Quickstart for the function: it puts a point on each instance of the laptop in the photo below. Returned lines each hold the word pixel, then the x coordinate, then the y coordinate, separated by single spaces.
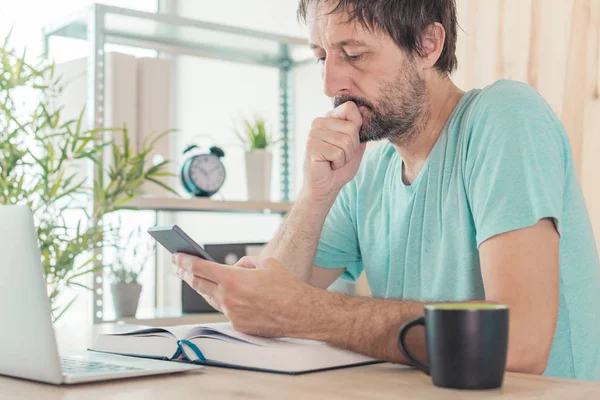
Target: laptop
pixel 28 347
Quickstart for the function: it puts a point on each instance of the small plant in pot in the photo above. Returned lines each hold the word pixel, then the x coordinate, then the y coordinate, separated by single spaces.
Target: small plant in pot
pixel 130 258
pixel 259 159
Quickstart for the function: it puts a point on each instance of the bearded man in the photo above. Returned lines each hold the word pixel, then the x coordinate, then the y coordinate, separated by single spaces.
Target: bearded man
pixel 474 196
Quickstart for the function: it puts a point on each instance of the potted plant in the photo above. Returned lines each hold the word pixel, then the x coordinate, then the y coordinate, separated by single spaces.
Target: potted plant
pixel 259 159
pixel 130 258
pixel 38 151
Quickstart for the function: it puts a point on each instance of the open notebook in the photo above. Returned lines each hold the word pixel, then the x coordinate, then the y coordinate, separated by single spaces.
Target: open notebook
pixel 220 345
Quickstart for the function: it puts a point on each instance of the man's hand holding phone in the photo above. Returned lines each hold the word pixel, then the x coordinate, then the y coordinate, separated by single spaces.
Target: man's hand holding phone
pixel 259 297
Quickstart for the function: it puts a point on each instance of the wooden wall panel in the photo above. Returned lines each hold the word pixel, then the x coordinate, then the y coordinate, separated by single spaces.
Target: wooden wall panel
pixel 574 102
pixel 590 167
pixel 554 38
pixel 513 52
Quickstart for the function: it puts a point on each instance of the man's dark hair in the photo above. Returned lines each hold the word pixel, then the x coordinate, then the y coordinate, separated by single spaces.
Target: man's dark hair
pixel 404 20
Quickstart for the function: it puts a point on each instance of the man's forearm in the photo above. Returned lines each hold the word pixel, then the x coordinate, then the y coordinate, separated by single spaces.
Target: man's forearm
pixel 370 326
pixel 295 244
pixel 364 325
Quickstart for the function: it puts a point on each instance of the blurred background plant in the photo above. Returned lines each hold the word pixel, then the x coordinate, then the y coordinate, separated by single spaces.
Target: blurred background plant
pixel 254 134
pixel 41 155
pixel 131 254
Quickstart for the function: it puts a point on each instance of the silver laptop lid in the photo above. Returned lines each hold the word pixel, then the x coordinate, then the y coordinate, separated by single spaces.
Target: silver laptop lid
pixel 28 346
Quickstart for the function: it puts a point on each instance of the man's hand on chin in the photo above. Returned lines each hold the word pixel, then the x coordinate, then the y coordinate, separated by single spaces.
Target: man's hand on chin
pixel 259 297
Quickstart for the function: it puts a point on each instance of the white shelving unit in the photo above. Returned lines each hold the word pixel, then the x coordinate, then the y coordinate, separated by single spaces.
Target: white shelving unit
pixel 207 205
pixel 101 24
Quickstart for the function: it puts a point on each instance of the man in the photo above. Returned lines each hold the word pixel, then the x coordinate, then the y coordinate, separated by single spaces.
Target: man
pixel 475 197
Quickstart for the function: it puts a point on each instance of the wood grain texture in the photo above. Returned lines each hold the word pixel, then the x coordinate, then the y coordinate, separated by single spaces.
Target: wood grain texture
pixel 500 51
pixel 472 25
pixel 460 75
pixel 533 64
pixel 591 127
pixel 516 31
pixel 555 36
pixel 595 25
pixel 575 82
pixel 381 381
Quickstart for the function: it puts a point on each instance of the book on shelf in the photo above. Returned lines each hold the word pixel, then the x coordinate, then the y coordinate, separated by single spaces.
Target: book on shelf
pixel 137 94
pixel 120 97
pixel 218 344
pixel 72 78
pixel 154 116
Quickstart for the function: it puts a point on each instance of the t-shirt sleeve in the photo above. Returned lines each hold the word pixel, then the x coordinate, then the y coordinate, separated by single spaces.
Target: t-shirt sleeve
pixel 516 159
pixel 338 245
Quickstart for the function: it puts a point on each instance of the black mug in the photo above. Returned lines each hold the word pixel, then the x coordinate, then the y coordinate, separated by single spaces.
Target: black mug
pixel 466 344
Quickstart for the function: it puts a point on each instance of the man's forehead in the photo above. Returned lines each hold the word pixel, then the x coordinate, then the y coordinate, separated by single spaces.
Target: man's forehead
pixel 335 29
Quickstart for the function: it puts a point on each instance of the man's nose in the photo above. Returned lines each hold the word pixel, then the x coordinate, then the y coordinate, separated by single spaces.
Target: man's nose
pixel 335 78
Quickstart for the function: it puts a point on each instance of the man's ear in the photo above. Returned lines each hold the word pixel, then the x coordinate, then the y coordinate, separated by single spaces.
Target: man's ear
pixel 432 44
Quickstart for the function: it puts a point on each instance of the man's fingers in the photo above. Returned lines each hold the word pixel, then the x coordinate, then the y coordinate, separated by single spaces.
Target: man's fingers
pixel 202 268
pixel 349 133
pixel 342 141
pixel 323 151
pixel 348 111
pixel 201 285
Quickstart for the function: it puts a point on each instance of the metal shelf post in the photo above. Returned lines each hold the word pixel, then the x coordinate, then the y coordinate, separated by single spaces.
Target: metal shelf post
pixel 285 110
pixel 95 117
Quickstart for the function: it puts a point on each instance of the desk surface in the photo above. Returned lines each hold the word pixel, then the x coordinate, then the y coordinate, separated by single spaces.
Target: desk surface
pixel 381 381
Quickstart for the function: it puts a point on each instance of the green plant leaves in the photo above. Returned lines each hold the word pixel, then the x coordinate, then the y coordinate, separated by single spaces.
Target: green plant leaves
pixel 41 155
pixel 255 135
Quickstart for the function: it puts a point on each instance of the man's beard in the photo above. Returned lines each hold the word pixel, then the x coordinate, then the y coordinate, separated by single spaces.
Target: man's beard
pixel 400 104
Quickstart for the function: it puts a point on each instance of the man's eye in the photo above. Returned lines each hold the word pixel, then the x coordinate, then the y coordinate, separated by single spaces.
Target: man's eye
pixel 350 58
pixel 320 60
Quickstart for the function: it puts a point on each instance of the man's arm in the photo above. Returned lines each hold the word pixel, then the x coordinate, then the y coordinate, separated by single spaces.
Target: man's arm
pixel 333 155
pixel 296 242
pixel 519 269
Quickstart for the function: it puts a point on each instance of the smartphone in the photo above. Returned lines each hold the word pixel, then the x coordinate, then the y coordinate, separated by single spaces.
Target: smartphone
pixel 175 240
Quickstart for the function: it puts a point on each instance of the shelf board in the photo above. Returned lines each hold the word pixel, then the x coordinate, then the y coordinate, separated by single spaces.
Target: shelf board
pixel 178 35
pixel 207 205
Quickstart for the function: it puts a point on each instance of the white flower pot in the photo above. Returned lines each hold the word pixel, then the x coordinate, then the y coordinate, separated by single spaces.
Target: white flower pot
pixel 258 174
pixel 126 297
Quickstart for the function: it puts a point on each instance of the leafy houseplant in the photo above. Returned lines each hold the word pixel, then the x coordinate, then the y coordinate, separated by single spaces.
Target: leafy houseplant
pixel 38 152
pixel 131 255
pixel 259 159
pixel 255 135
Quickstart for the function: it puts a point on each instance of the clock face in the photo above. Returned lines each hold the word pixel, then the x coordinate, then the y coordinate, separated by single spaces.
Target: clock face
pixel 207 172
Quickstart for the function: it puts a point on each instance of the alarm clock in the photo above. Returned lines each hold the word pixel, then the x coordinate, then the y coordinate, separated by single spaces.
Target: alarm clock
pixel 203 174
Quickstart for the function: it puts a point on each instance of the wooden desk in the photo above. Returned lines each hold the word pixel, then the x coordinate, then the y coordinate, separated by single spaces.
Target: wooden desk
pixel 382 381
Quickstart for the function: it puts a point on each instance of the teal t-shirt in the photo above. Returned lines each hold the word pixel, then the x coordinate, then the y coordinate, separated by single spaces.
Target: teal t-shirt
pixel 502 162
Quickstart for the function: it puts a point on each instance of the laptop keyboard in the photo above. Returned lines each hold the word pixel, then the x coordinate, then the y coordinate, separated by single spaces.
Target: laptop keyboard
pixel 71 366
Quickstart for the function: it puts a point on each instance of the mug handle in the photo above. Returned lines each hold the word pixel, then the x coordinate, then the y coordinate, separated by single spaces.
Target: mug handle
pixel 401 343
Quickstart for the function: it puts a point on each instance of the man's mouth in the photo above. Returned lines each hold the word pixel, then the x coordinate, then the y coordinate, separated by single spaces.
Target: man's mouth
pixel 364 111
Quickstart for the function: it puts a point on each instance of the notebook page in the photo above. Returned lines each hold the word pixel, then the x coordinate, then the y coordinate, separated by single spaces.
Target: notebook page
pixel 224 331
pixel 177 332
